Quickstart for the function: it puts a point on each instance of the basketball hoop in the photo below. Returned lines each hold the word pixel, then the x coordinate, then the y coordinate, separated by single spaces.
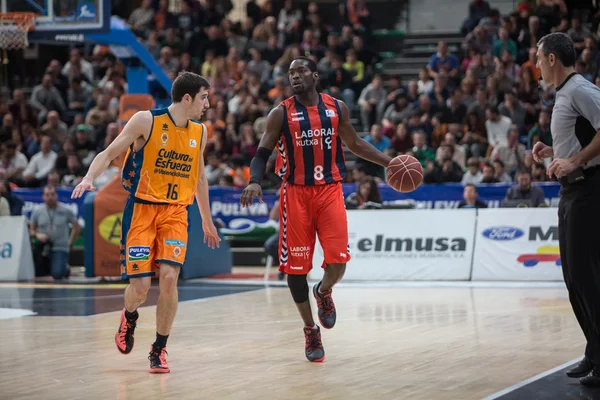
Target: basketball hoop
pixel 14 27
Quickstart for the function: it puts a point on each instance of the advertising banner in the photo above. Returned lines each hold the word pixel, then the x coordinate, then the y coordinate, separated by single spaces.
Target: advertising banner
pixel 407 245
pixel 16 259
pixel 517 244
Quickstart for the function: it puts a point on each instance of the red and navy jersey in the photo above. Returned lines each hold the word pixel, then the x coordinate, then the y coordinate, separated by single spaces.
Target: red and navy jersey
pixel 310 149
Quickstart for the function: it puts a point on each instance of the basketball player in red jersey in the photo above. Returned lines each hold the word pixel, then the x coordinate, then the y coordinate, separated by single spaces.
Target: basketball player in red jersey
pixel 308 129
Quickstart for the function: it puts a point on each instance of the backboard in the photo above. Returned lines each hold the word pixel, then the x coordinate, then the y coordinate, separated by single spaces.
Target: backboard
pixel 57 17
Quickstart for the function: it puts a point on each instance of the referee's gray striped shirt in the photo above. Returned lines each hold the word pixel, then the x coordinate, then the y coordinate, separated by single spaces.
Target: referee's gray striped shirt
pixel 575 117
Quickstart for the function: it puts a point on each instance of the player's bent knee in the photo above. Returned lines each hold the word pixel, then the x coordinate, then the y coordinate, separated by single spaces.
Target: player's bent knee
pixel 140 286
pixel 298 287
pixel 169 274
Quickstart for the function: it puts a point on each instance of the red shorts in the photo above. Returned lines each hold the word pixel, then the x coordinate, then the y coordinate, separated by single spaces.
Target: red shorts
pixel 304 213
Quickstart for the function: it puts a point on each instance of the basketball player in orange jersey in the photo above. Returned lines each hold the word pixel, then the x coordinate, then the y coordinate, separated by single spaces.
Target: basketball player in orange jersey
pixel 163 172
pixel 308 129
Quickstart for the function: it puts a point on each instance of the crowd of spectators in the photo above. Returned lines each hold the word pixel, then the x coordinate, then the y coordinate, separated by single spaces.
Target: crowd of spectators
pixel 472 116
pixel 51 136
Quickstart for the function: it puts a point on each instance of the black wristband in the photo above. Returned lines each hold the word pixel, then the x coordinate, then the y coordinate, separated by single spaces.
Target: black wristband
pixel 259 164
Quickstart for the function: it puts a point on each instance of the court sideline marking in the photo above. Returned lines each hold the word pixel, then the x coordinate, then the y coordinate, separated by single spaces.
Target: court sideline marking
pixel 530 380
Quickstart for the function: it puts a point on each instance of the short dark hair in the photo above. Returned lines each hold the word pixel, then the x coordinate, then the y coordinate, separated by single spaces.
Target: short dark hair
pixel 561 45
pixel 309 63
pixel 471 185
pixel 11 145
pixel 524 171
pixel 500 162
pixel 187 83
pixel 493 109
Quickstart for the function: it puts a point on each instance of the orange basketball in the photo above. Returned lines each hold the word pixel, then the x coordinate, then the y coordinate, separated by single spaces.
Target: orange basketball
pixel 404 173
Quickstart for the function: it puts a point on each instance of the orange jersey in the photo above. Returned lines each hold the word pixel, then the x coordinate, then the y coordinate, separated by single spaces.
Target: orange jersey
pixel 165 169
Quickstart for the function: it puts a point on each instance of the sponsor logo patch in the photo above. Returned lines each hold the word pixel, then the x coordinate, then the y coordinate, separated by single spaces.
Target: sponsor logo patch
pixel 138 253
pixel 171 242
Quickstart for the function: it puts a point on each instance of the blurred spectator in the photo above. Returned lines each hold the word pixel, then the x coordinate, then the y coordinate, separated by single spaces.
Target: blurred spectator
pixel 458 153
pixel 401 141
pixel 366 196
pixel 578 32
pixel 50 226
pixel 443 60
pixel 78 65
pixel 504 42
pixel 46 97
pixel 55 128
pixel 141 18
pixel 74 173
pixel 538 173
pixel 531 64
pixel 491 24
pixel 339 82
pixel 512 108
pixel 40 164
pixel 21 109
pixel 15 204
pixel 13 161
pixel 372 102
pixel 478 9
pixel 525 191
pixel 470 199
pixel 420 150
pixel 239 171
pixel 8 125
pixel 488 174
pixel 445 171
pixel 500 172
pixel 540 132
pixel 511 153
pixel 497 126
pixel 78 94
pixel 473 175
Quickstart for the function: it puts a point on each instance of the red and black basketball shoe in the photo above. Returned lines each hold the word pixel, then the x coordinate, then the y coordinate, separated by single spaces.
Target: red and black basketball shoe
pixel 326 306
pixel 124 336
pixel 314 347
pixel 158 360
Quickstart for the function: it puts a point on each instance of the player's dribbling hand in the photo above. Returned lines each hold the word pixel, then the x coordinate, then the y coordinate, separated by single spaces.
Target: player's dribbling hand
pixel 211 236
pixel 249 193
pixel 541 151
pixel 84 186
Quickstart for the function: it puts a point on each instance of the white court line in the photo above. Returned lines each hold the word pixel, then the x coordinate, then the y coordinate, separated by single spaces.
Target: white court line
pixel 275 322
pixel 530 380
pixel 394 284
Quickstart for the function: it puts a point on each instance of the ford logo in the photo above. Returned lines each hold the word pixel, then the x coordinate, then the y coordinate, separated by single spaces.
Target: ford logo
pixel 503 233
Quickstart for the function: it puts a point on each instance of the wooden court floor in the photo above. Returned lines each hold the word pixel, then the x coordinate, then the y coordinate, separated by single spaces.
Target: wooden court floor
pixel 389 343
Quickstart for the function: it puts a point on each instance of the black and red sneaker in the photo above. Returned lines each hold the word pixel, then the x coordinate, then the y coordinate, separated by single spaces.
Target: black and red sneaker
pixel 124 336
pixel 326 306
pixel 158 360
pixel 314 347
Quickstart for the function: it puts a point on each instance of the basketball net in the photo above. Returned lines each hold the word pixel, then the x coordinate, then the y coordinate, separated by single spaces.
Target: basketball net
pixel 14 28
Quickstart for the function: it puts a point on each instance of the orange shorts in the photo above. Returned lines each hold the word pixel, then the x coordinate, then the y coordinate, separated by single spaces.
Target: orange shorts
pixel 152 234
pixel 304 213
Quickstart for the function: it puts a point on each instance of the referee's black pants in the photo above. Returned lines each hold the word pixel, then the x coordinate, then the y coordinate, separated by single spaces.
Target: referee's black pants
pixel 579 240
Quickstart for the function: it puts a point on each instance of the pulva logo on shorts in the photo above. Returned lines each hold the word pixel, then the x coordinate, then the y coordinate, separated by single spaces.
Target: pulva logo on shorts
pixel 503 233
pixel 138 253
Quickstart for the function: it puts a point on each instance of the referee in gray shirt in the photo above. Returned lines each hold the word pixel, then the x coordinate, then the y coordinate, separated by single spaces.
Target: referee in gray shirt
pixel 576 151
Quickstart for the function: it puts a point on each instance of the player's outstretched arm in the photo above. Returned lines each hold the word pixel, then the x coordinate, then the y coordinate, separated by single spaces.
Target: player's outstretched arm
pixel 259 162
pixel 211 236
pixel 138 126
pixel 355 143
